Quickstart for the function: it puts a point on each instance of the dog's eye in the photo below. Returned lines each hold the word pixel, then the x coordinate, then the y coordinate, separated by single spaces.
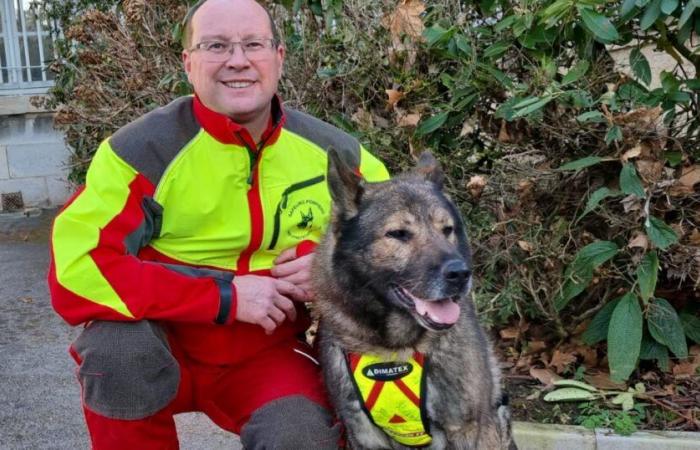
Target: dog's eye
pixel 400 234
pixel 447 231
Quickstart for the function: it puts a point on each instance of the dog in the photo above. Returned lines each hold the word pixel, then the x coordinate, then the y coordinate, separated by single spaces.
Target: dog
pixel 405 361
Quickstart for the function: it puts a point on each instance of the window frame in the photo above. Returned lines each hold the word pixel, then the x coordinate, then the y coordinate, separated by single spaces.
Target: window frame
pixel 12 83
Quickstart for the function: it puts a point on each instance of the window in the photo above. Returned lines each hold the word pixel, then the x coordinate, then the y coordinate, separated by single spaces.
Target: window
pixel 26 48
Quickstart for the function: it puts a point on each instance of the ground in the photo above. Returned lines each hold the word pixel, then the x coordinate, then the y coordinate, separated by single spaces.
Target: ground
pixel 39 394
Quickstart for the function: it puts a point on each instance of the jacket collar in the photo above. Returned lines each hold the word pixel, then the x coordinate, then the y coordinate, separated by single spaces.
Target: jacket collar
pixel 227 131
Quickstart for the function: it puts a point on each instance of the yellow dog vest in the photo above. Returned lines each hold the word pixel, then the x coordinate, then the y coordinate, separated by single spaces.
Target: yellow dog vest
pixel 393 394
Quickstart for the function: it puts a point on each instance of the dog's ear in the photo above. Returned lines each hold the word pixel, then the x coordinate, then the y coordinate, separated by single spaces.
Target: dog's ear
pixel 344 183
pixel 429 168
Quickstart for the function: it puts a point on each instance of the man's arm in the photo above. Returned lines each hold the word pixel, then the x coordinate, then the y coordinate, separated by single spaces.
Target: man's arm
pixel 95 273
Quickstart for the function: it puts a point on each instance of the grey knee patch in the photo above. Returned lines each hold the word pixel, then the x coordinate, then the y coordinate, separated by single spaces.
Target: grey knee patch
pixel 127 371
pixel 291 423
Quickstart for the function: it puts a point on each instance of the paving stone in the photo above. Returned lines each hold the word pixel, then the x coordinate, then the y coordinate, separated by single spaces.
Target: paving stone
pixel 533 436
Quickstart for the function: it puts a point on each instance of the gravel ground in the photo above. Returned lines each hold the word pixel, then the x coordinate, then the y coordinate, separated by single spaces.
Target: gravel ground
pixel 39 394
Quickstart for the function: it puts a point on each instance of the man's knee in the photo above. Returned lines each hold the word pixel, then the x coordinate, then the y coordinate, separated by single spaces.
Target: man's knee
pixel 126 369
pixel 291 423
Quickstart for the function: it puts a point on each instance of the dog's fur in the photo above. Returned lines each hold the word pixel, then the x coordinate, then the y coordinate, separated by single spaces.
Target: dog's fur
pixel 389 243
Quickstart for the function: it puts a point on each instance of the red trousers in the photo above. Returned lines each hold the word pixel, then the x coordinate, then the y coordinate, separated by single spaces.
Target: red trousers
pixel 228 394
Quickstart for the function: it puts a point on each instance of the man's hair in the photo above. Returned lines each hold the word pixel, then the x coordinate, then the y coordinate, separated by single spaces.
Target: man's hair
pixel 187 25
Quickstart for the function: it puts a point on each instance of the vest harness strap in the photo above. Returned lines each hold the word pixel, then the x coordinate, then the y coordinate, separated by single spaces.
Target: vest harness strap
pixel 393 395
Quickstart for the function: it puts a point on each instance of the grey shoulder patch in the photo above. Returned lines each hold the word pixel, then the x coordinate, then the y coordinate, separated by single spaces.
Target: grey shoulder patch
pixel 324 135
pixel 149 143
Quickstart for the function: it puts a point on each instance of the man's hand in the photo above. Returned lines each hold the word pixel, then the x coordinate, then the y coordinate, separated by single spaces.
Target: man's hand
pixel 295 270
pixel 265 301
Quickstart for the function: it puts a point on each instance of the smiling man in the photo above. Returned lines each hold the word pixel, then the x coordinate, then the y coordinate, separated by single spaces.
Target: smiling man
pixel 187 254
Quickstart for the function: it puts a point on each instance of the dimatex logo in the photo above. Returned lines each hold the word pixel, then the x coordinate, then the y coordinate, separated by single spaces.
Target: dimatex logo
pixel 387 371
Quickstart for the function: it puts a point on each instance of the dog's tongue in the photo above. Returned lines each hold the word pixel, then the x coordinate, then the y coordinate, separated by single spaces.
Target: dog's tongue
pixel 442 311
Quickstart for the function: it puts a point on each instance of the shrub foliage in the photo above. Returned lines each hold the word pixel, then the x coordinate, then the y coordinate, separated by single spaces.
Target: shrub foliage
pixel 575 168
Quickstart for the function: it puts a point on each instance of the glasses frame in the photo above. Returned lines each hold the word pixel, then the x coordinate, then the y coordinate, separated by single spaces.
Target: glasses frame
pixel 271 43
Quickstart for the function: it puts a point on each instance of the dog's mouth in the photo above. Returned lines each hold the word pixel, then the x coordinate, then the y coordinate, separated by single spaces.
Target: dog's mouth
pixel 433 314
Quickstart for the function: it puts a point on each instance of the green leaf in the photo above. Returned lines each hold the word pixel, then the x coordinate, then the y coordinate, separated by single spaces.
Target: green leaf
pixel 626 399
pixel 595 254
pixel 668 6
pixel 674 158
pixel 575 284
pixel 666 328
pixel 640 66
pixel 524 110
pixel 505 23
pixel 651 13
pixel 624 337
pixel 436 35
pixel 693 84
pixel 652 350
pixel 575 384
pixel 496 49
pixel 691 326
pixel 630 182
pixel 576 72
pixel 598 328
pixel 569 394
pixel 463 44
pixel 687 13
pixel 581 163
pixel 598 196
pixel 627 7
pixel 614 134
pixel 591 116
pixel 431 124
pixel 647 272
pixel 599 25
pixel 660 234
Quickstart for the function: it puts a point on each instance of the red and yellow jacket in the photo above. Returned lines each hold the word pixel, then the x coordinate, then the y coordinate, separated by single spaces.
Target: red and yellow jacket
pixel 178 202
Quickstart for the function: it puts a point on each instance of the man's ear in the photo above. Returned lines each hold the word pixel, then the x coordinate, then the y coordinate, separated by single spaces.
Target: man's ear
pixel 345 185
pixel 429 168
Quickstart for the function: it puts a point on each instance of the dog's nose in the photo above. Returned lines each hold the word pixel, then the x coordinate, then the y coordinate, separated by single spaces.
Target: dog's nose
pixel 456 272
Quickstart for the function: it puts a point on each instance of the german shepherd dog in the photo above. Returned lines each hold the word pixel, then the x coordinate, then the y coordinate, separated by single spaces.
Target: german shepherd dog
pixel 392 277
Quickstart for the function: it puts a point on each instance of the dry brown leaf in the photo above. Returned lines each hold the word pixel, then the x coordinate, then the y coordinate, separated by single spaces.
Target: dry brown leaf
pixel 690 176
pixel 535 346
pixel 526 246
pixel 639 240
pixel 686 368
pixel 406 20
pixel 632 153
pixel 639 117
pixel 363 117
pixel 544 376
pixel 650 171
pixel 476 185
pixel 408 120
pixel 503 135
pixel 561 360
pixel 394 97
pixel 694 350
pixel 524 361
pixel 509 333
pixel 602 380
pixel 589 355
pixel 694 238
pixel 467 128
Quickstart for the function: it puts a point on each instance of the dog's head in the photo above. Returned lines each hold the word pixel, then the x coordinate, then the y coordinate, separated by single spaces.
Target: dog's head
pixel 402 239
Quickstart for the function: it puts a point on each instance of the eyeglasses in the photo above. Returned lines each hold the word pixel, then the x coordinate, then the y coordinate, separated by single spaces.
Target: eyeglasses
pixel 220 51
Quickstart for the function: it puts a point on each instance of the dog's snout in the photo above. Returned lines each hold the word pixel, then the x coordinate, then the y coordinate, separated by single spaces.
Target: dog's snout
pixel 456 272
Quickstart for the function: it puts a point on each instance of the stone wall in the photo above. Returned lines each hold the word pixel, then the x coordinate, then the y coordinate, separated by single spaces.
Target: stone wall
pixel 33 158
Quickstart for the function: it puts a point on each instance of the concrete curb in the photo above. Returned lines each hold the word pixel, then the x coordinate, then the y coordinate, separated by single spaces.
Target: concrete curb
pixel 535 436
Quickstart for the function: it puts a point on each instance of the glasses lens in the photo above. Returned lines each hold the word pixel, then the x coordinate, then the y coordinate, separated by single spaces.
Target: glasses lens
pixel 254 49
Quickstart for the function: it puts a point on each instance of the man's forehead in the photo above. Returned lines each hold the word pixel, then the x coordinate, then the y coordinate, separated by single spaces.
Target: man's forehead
pixel 230 18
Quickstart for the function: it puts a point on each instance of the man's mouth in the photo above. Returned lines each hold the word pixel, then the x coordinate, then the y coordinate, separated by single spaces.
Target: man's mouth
pixel 433 314
pixel 237 84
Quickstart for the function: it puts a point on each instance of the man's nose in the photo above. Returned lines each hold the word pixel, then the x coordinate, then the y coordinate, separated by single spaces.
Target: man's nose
pixel 237 56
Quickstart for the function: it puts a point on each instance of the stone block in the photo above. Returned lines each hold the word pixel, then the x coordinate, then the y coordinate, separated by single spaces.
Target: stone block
pixel 34 190
pixel 37 159
pixel 535 436
pixel 648 440
pixel 59 189
pixel 4 171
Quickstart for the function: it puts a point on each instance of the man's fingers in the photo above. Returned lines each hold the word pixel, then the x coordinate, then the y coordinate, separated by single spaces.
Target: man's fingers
pixel 286 308
pixel 268 325
pixel 286 268
pixel 287 255
pixel 290 290
pixel 277 315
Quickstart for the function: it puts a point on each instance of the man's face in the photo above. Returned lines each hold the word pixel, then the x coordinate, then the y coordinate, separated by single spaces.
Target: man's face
pixel 239 87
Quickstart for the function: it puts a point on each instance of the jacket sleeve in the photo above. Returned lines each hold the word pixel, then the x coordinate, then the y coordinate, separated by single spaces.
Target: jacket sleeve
pixel 371 168
pixel 95 273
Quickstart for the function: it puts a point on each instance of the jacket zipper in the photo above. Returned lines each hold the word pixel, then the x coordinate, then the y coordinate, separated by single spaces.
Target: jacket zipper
pixel 283 204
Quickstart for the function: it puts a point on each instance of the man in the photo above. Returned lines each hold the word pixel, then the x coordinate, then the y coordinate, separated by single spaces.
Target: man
pixel 193 239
